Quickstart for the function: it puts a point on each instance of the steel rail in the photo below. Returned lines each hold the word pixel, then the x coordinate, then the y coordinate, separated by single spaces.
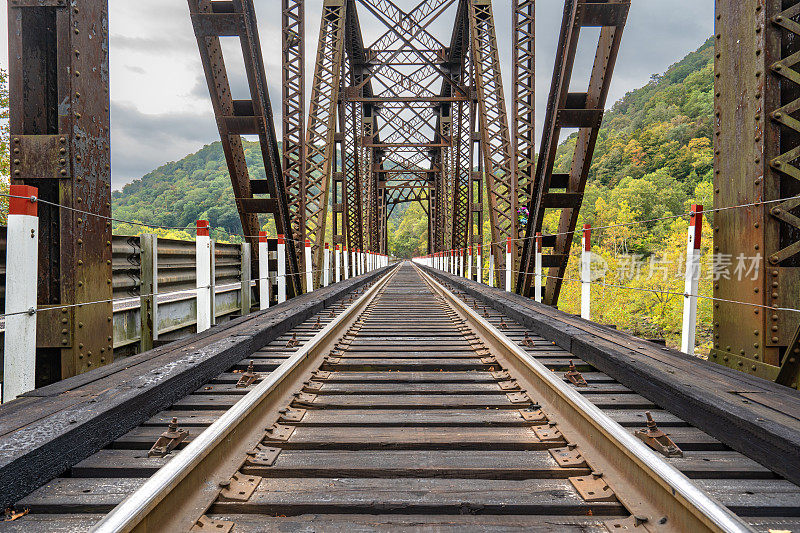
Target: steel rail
pixel 657 486
pixel 179 493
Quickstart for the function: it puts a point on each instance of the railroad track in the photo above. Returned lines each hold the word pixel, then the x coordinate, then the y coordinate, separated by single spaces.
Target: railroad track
pixel 409 406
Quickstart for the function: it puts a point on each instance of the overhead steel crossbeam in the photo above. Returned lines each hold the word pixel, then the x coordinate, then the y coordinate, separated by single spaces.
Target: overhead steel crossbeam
pixel 236 18
pixel 563 192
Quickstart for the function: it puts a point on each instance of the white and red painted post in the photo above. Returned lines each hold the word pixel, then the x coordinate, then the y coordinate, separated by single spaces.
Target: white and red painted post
pixel 692 280
pixel 263 270
pixel 203 275
pixel 586 273
pixel 491 267
pixel 509 264
pixel 346 268
pixel 309 267
pixel 469 262
pixel 479 264
pixel 326 269
pixel 337 264
pixel 461 253
pixel 537 269
pixel 22 265
pixel 281 269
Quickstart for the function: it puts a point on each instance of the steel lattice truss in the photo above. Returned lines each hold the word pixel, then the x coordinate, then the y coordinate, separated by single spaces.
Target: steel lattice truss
pixel 407 113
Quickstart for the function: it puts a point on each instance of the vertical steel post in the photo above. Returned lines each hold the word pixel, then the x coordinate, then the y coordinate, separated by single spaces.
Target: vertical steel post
pixel 586 273
pixel 537 269
pixel 148 290
pixel 491 264
pixel 203 275
pixel 346 263
pixel 309 267
pixel 326 274
pixel 263 271
pixel 246 266
pixel 692 279
pixel 19 361
pixel 469 262
pixel 337 264
pixel 509 264
pixel 281 269
pixel 479 265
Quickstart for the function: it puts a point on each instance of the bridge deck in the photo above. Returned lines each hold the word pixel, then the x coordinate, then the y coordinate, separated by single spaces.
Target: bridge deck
pixel 409 426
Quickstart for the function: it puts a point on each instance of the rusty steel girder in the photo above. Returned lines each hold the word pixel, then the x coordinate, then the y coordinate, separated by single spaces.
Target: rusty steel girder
pixel 60 143
pixel 323 121
pixel 523 121
pixel 293 115
pixel 495 141
pixel 236 18
pixel 581 111
pixel 757 158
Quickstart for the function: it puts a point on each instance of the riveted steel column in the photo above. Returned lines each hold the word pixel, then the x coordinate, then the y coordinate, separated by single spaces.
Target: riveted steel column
pixel 60 143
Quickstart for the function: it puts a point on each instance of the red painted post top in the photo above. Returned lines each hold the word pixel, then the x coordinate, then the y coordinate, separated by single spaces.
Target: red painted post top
pixel 262 236
pixel 469 248
pixel 336 246
pixel 281 239
pixel 509 244
pixel 696 222
pixel 203 228
pixel 538 241
pixel 23 206
pixel 587 237
pixel 326 245
pixel 308 243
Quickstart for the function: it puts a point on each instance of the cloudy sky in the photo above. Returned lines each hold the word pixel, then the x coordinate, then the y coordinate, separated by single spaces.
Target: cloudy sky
pixel 160 107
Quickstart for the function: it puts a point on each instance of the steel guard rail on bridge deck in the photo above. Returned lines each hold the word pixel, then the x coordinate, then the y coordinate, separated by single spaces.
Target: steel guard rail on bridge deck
pixel 48 430
pixel 751 415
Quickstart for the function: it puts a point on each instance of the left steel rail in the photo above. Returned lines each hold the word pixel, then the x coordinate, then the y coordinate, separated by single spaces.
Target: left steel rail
pixel 179 493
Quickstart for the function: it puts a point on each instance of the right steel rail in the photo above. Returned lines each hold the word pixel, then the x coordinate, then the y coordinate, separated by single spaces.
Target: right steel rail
pixel 653 490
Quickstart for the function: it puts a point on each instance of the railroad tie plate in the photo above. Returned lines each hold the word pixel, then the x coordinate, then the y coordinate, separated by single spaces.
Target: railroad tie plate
pixel 312 385
pixel 207 524
pixel 510 384
pixel 488 360
pixel 263 456
pixel 518 397
pixel 239 488
pixel 632 523
pixel 501 375
pixel 292 414
pixel 593 488
pixel 548 434
pixel 321 374
pixel 304 398
pixel 533 415
pixel 567 457
pixel 279 432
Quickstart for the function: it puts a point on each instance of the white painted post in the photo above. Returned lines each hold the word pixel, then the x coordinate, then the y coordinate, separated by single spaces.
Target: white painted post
pixel 326 269
pixel 491 267
pixel 692 280
pixel 479 264
pixel 537 269
pixel 309 268
pixel 509 264
pixel 22 265
pixel 281 269
pixel 203 275
pixel 263 270
pixel 337 264
pixel 461 271
pixel 586 273
pixel 469 262
pixel 346 265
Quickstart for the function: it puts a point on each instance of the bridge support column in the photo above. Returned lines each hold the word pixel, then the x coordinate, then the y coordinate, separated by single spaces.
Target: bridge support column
pixel 263 271
pixel 148 291
pixel 692 280
pixel 22 255
pixel 586 273
pixel 203 275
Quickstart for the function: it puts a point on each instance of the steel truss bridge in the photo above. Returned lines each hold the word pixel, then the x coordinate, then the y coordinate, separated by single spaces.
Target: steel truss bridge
pixel 404 396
